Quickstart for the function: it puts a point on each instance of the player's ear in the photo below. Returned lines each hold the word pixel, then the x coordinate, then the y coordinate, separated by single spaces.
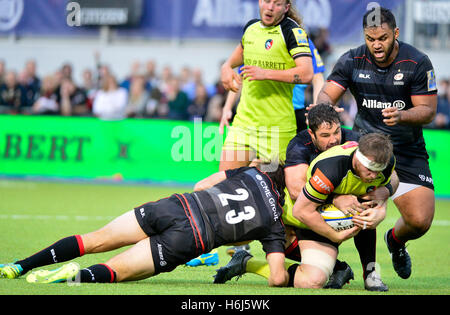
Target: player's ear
pixel 311 133
pixel 396 33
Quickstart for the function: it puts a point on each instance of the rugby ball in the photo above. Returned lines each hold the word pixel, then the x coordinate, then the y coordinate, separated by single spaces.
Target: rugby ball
pixel 335 217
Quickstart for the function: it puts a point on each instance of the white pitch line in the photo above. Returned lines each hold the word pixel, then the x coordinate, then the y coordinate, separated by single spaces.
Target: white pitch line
pixel 54 217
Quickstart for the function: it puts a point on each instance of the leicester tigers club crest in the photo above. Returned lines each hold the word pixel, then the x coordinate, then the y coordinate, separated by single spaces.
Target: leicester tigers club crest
pixel 269 44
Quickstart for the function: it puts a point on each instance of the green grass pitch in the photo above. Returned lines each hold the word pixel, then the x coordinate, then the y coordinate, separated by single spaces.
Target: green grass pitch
pixel 35 214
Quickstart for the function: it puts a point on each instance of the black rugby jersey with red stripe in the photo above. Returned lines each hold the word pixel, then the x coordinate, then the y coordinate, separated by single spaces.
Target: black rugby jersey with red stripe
pixel 243 207
pixel 375 88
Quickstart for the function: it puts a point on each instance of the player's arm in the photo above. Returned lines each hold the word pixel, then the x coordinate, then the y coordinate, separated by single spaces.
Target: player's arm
pixel 302 73
pixel 305 211
pixel 210 181
pixel 278 275
pixel 422 113
pixel 230 79
pixel 330 94
pixel 295 178
pixel 318 82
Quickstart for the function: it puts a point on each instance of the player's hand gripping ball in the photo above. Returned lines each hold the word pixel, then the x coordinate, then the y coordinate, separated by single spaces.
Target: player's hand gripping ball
pixel 335 217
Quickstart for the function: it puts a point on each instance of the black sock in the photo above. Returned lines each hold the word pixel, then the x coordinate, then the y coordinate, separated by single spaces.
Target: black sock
pixel 365 242
pixel 291 272
pixel 63 250
pixel 393 241
pixel 100 273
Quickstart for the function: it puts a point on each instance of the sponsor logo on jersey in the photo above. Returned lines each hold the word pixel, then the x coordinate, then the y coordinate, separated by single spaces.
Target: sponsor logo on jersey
pixel 269 44
pixel 300 36
pixel 162 261
pixel 321 183
pixel 364 76
pixel 432 86
pixel 374 104
pixel 398 76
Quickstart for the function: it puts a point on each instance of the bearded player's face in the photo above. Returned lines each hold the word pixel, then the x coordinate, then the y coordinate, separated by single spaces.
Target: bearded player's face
pixel 380 41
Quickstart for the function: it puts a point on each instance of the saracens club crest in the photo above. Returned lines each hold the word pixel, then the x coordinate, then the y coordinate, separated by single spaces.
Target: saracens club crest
pixel 269 44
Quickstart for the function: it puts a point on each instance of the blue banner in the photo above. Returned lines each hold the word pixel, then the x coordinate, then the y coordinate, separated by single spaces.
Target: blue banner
pixel 186 19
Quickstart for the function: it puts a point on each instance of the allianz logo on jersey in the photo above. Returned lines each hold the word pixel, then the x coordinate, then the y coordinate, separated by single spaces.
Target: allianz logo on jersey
pixel 374 104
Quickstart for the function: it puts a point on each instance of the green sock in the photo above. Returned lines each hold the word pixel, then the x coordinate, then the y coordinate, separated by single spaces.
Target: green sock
pixel 261 267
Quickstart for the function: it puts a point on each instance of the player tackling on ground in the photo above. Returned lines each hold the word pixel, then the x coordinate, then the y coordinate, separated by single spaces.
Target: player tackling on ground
pixel 394 85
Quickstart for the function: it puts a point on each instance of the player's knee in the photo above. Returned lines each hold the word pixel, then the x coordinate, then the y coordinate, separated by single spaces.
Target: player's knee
pixel 278 279
pixel 312 278
pixel 420 224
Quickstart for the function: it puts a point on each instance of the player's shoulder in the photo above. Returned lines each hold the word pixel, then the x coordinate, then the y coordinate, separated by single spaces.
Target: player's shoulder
pixel 302 139
pixel 409 53
pixel 350 135
pixel 251 23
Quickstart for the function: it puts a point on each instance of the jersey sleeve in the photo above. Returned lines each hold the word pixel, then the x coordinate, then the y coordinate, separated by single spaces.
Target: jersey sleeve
pixel 325 177
pixel 235 171
pixel 274 242
pixel 317 61
pixel 297 42
pixel 342 71
pixel 296 154
pixel 424 79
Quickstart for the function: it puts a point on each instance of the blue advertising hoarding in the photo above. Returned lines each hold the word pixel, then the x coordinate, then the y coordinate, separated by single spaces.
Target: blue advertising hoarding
pixel 185 19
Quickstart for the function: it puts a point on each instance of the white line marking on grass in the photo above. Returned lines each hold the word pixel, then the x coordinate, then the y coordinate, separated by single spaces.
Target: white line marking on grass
pixel 54 217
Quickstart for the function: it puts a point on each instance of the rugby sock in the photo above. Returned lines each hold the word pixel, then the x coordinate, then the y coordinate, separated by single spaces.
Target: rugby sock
pixel 63 250
pixel 99 273
pixel 261 267
pixel 365 243
pixel 393 241
pixel 291 272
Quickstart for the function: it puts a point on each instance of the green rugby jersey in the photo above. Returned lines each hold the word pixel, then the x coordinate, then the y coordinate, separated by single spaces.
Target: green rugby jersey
pixel 331 172
pixel 269 103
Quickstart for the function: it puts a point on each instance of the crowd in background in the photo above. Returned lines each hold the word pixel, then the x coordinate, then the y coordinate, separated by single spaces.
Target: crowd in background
pixel 144 93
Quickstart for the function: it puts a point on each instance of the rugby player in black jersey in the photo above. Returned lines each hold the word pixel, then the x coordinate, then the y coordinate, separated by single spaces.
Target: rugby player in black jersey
pixel 227 207
pixel 394 85
pixel 324 133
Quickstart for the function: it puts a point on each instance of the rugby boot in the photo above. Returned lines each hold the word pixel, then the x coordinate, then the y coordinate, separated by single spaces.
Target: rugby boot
pixel 235 267
pixel 231 250
pixel 62 274
pixel 373 283
pixel 10 271
pixel 208 259
pixel 400 258
pixel 342 274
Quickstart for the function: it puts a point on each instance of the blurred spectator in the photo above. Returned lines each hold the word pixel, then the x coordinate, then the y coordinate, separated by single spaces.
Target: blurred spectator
pixel 12 95
pixel 155 107
pixel 67 71
pixel 89 87
pixel 138 98
pixel 2 71
pixel 111 101
pixel 166 76
pixel 31 84
pixel 134 72
pixel 47 101
pixel 320 38
pixel 214 110
pixel 73 100
pixel 178 101
pixel 194 79
pixel 348 103
pixel 199 105
pixel 442 119
pixel 150 73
